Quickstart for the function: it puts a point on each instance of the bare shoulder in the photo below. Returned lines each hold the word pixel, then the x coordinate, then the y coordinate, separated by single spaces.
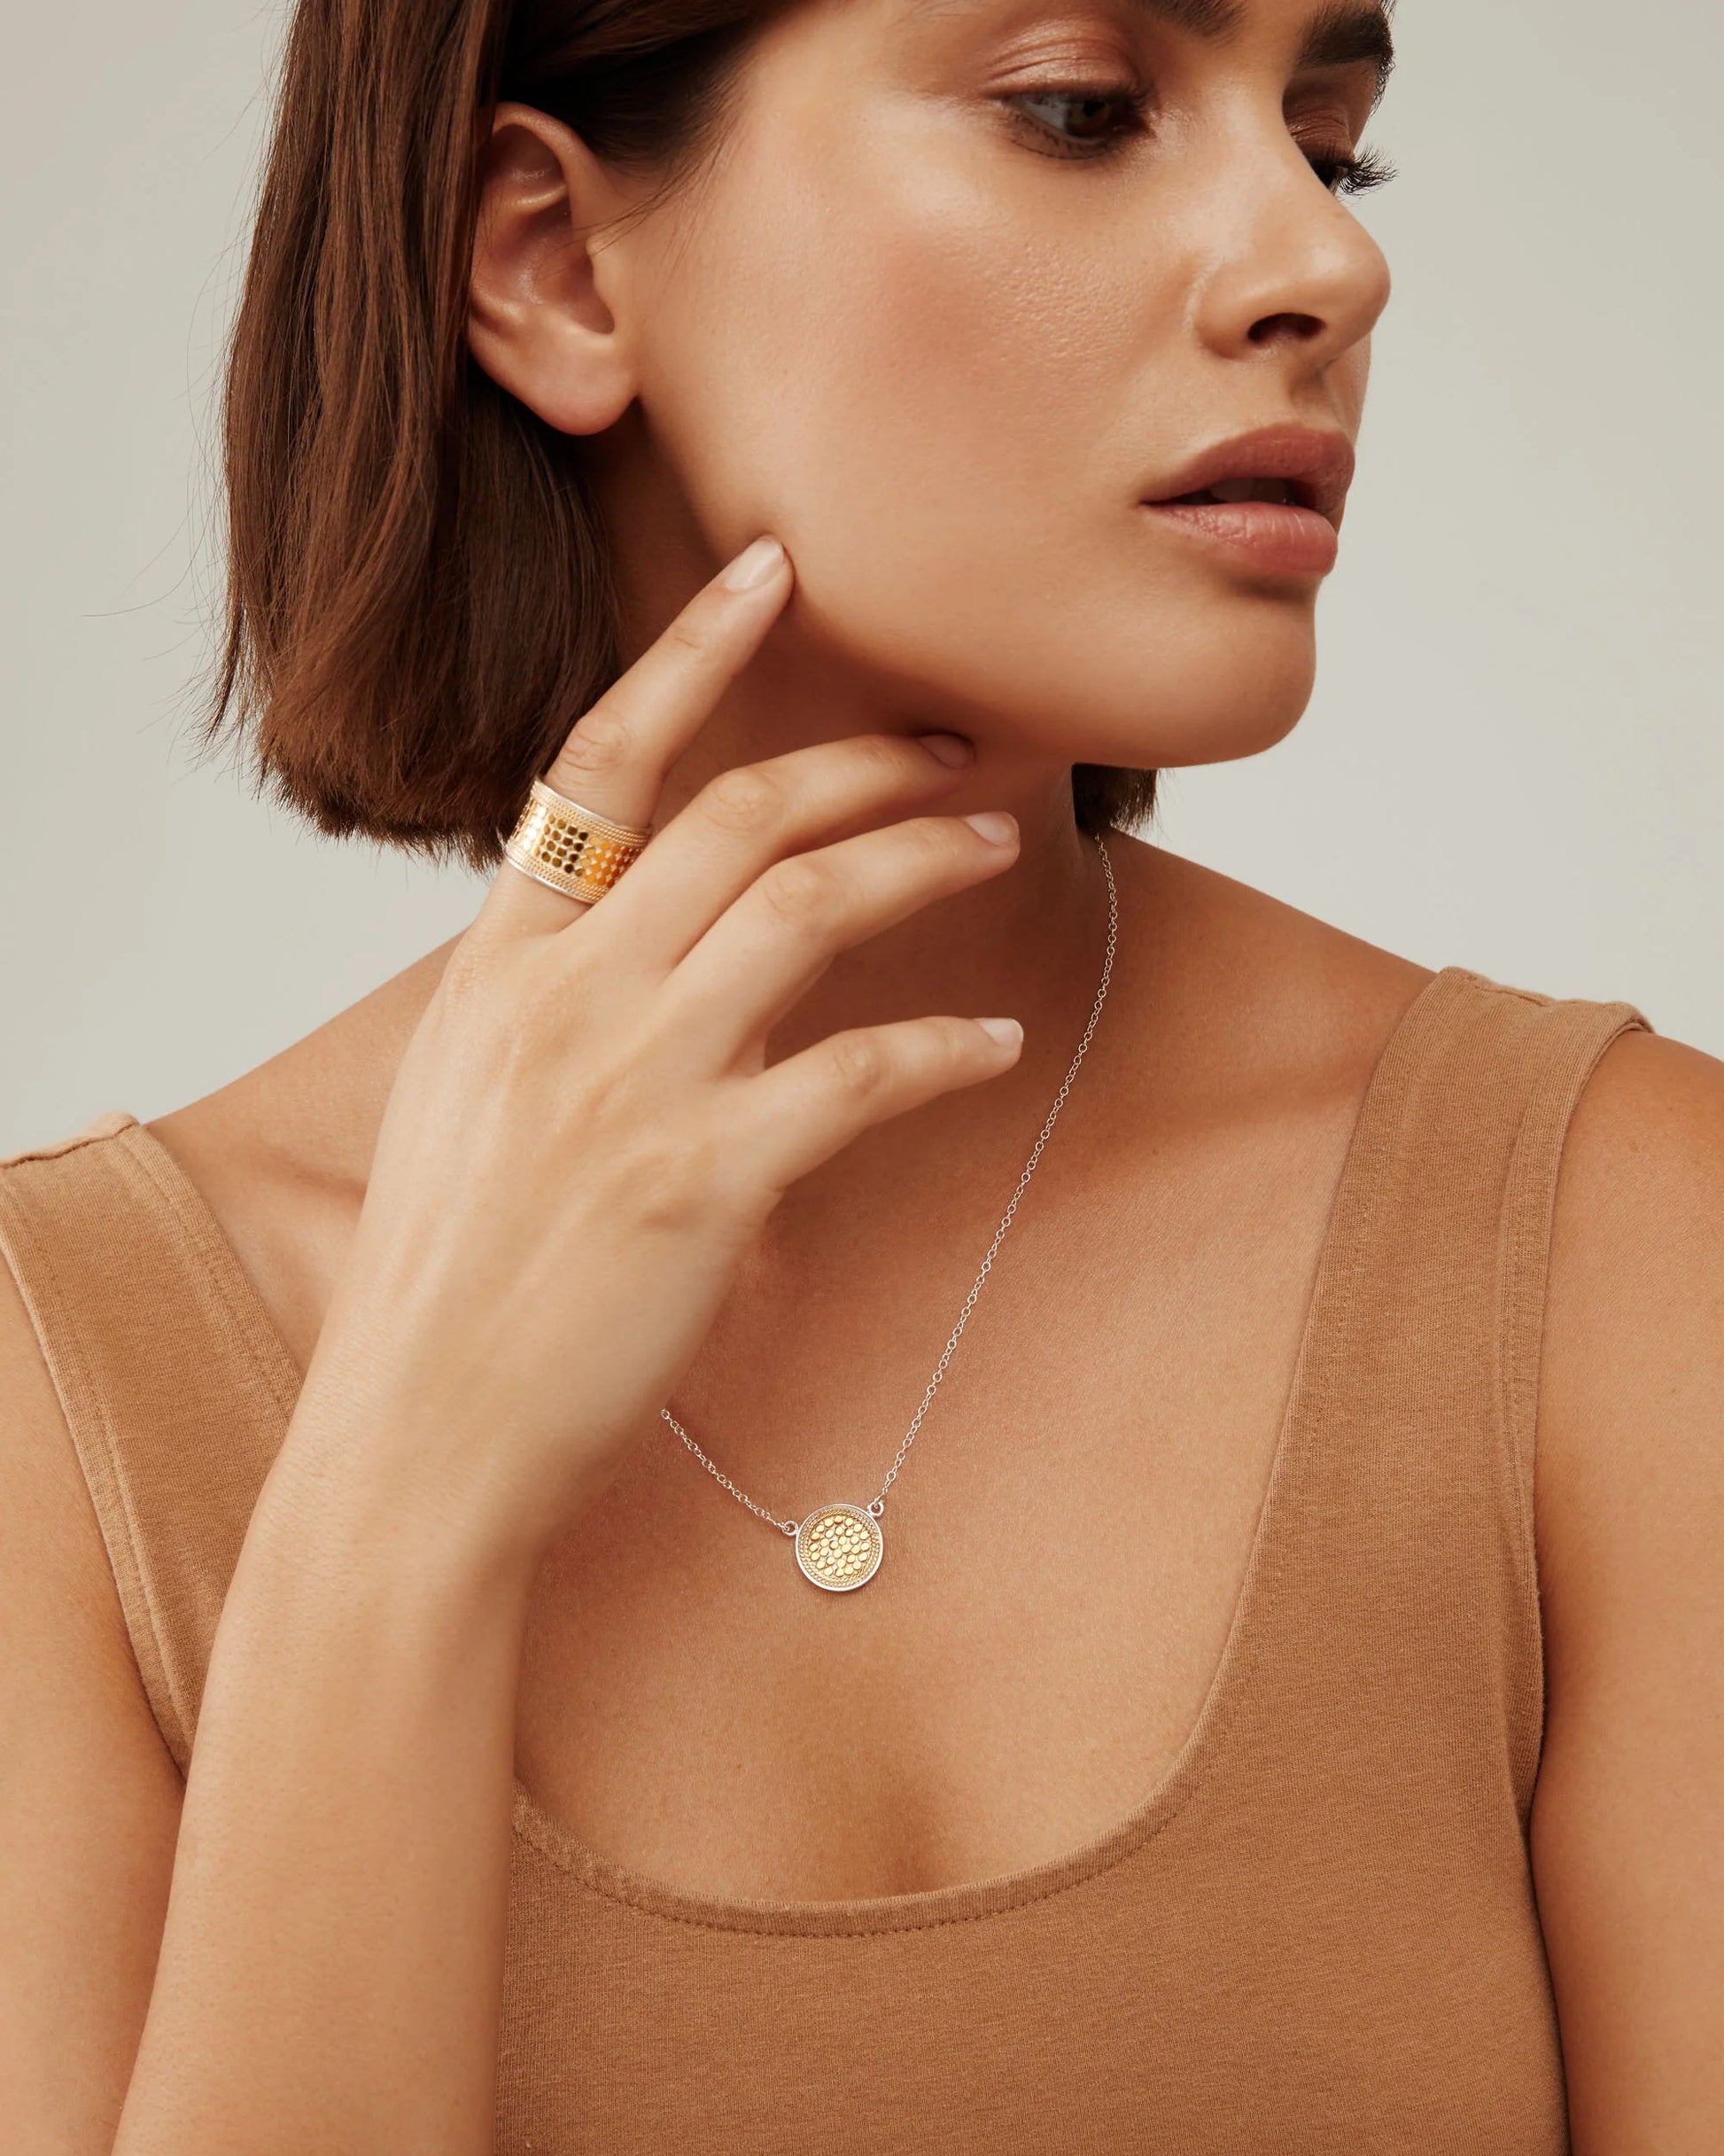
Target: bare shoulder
pixel 1627 1832
pixel 1288 1002
pixel 280 1155
pixel 89 1799
pixel 1634 1317
pixel 1647 1131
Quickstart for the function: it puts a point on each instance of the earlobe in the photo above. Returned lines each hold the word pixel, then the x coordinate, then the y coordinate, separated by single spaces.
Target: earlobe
pixel 541 316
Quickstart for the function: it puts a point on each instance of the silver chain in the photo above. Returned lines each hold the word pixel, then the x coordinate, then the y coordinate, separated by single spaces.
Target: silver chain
pixel 878 1506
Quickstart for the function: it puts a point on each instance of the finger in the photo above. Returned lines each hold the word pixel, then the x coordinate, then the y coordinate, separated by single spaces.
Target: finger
pixel 615 758
pixel 748 818
pixel 803 1110
pixel 775 942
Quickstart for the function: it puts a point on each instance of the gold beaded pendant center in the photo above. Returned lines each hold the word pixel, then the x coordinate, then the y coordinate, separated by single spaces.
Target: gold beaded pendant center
pixel 840 1547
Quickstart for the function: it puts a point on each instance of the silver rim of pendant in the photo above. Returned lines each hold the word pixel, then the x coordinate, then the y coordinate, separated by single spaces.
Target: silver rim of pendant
pixel 831 1551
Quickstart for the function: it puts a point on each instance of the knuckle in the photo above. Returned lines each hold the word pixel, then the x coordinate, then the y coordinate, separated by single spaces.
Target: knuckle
pixel 801 895
pixel 956 1040
pixel 479 980
pixel 936 844
pixel 743 799
pixel 688 635
pixel 476 1017
pixel 887 758
pixel 678 1183
pixel 860 1064
pixel 466 968
pixel 599 743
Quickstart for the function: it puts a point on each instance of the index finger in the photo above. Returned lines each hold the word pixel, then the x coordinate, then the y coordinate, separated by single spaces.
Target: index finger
pixel 616 757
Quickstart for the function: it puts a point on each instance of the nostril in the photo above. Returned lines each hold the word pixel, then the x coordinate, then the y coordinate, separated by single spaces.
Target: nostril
pixel 1299 329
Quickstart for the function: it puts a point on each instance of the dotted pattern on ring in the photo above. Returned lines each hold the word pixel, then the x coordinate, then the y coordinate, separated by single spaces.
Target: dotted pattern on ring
pixel 569 848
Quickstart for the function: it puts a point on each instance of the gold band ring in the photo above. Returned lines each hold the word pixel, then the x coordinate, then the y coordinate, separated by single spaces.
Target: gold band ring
pixel 566 846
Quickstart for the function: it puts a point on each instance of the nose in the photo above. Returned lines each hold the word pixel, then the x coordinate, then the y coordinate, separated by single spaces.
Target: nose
pixel 1290 273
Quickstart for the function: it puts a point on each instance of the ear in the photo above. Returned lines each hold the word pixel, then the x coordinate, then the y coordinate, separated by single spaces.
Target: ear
pixel 541 316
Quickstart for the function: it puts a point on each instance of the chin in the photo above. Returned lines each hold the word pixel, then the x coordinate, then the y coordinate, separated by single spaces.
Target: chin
pixel 1221 688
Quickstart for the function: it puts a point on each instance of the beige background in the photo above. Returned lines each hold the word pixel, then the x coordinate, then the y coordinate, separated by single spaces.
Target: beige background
pixel 1514 760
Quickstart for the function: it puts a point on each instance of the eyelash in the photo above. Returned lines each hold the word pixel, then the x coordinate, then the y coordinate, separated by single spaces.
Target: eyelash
pixel 1135 95
pixel 1352 175
pixel 1341 172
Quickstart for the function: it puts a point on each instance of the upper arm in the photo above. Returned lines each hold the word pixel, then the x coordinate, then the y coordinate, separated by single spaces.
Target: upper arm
pixel 1627 1829
pixel 89 1798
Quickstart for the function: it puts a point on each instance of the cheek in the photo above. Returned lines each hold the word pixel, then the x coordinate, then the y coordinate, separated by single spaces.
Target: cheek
pixel 907 353
pixel 944 396
pixel 931 402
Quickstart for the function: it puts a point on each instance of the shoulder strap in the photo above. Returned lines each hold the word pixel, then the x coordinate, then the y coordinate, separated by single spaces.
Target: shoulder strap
pixel 174 1387
pixel 1559 1045
pixel 1501 1075
pixel 1405 1516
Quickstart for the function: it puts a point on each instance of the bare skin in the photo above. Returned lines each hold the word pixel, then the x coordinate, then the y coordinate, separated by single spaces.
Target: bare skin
pixel 420 1608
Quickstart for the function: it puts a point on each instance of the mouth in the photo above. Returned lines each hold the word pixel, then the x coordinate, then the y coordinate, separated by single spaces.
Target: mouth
pixel 1307 467
pixel 1251 490
pixel 1274 496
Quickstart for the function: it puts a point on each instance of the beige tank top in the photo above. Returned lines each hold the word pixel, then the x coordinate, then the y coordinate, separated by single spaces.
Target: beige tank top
pixel 1316 1932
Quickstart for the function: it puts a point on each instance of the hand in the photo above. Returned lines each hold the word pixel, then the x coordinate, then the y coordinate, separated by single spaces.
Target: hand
pixel 584 1136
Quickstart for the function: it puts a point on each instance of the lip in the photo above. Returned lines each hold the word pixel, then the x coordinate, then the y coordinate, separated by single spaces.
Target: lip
pixel 1295 538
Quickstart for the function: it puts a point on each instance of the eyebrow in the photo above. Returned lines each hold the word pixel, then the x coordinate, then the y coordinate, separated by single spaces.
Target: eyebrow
pixel 1342 33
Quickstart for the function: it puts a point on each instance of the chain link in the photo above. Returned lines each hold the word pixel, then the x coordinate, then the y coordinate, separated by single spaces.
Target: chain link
pixel 878 1505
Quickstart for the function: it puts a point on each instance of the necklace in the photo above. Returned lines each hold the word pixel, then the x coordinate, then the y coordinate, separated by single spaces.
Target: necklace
pixel 840 1545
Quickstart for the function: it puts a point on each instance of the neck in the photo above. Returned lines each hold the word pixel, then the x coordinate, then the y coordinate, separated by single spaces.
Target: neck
pixel 1026 944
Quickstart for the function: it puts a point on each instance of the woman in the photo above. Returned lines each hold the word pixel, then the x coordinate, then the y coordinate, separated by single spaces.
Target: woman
pixel 854 445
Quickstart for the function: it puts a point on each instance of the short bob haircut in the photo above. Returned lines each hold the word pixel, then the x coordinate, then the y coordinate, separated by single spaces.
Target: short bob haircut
pixel 419 599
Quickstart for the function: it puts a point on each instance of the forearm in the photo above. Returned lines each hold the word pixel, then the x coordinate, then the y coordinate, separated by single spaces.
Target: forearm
pixel 330 1968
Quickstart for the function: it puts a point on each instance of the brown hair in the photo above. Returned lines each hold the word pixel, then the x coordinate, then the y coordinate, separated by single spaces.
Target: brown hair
pixel 419 600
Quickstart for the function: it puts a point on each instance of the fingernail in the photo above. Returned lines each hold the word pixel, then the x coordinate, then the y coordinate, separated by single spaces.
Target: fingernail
pixel 994 824
pixel 948 748
pixel 1007 1032
pixel 757 561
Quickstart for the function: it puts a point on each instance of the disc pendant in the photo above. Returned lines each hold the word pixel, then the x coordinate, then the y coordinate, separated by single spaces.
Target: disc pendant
pixel 840 1547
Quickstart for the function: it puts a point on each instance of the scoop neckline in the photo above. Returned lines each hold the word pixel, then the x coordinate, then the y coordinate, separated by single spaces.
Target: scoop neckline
pixel 1002 1893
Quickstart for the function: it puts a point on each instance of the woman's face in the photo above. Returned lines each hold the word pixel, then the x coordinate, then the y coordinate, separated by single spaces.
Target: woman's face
pixel 969 284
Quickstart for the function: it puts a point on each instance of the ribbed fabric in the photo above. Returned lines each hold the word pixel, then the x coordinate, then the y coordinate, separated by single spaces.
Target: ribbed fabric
pixel 1317 1933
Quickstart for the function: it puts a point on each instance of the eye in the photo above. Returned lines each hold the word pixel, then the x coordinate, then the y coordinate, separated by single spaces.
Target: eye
pixel 1091 109
pixel 1344 173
